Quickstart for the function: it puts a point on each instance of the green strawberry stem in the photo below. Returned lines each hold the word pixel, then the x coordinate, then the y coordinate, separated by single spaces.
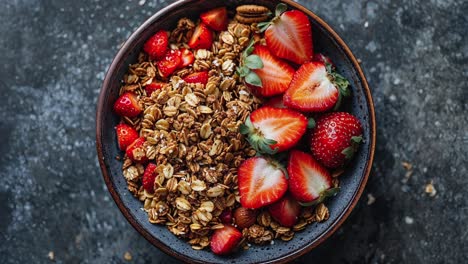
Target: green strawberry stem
pixel 349 151
pixel 323 195
pixel 256 138
pixel 340 82
pixel 248 63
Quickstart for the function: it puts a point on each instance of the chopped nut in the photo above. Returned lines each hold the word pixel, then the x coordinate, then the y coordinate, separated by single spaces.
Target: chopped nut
pixel 321 213
pixel 430 189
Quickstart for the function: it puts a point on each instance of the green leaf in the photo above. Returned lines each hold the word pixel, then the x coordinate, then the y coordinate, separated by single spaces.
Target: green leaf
pixel 243 129
pixel 263 26
pixel 348 152
pixel 280 8
pixel 331 192
pixel 243 71
pixel 311 123
pixel 357 139
pixel 249 48
pixel 253 79
pixel 253 62
pixel 323 195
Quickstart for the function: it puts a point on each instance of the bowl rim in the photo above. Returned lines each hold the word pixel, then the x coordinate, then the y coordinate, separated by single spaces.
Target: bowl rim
pixel 126 211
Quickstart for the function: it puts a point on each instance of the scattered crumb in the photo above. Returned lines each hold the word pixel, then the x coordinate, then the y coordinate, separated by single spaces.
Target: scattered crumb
pixel 128 256
pixel 409 220
pixel 359 60
pixel 409 171
pixel 141 2
pixel 408 166
pixel 370 199
pixel 430 189
pixel 118 157
pixel 366 24
pixel 272 242
pixel 51 255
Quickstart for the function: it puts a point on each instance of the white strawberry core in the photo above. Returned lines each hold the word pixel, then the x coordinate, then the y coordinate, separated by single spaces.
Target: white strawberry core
pixel 264 176
pixel 272 129
pixel 318 87
pixel 315 182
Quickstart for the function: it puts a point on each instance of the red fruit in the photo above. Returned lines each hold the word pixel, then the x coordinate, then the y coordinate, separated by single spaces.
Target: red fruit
pixel 261 182
pixel 169 63
pixel 308 180
pixel 275 74
pixel 225 240
pixel 216 19
pixel 289 36
pixel 276 101
pixel 156 46
pixel 136 151
pixel 126 135
pixel 286 211
pixel 272 130
pixel 323 59
pixel 127 105
pixel 187 57
pixel 150 88
pixel 226 216
pixel 202 37
pixel 335 138
pixel 197 77
pixel 311 89
pixel 148 177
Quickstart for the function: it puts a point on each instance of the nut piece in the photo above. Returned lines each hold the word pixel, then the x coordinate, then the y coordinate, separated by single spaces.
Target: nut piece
pixel 244 217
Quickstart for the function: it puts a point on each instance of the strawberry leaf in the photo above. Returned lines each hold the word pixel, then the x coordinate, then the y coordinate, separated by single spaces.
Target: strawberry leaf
pixel 340 83
pixel 323 195
pixel 253 62
pixel 357 139
pixel 256 140
pixel 249 49
pixel 243 71
pixel 310 123
pixel 253 79
pixel 348 152
pixel 263 26
pixel 280 9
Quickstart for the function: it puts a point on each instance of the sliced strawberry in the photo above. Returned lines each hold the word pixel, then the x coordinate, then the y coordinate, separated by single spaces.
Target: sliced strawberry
pixel 202 37
pixel 197 77
pixel 187 57
pixel 308 180
pixel 127 105
pixel 156 46
pixel 335 138
pixel 216 19
pixel 289 36
pixel 261 182
pixel 286 211
pixel 276 101
pixel 275 74
pixel 270 130
pixel 150 88
pixel 169 63
pixel 126 135
pixel 136 151
pixel 323 59
pixel 148 177
pixel 225 240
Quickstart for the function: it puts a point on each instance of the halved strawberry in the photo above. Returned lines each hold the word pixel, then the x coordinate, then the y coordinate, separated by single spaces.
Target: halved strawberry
pixel 315 88
pixel 276 101
pixel 148 177
pixel 156 45
pixel 126 135
pixel 136 151
pixel 261 182
pixel 150 88
pixel 289 35
pixel 308 180
pixel 275 74
pixel 286 211
pixel 270 130
pixel 187 57
pixel 225 240
pixel 169 63
pixel 127 105
pixel 197 77
pixel 335 138
pixel 216 19
pixel 202 37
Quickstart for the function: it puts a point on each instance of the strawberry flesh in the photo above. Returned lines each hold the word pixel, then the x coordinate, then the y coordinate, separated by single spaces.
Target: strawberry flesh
pixel 197 77
pixel 202 37
pixel 225 240
pixel 136 151
pixel 226 216
pixel 187 57
pixel 286 211
pixel 148 177
pixel 127 105
pixel 126 135
pixel 150 88
pixel 156 45
pixel 171 62
pixel 216 19
pixel 276 101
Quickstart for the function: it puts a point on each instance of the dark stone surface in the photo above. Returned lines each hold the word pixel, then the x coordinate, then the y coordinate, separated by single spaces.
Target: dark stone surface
pixel 53 56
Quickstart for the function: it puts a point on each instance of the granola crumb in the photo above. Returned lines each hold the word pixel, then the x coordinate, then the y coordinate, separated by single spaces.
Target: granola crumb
pixel 370 199
pixel 128 256
pixel 51 255
pixel 430 189
pixel 407 166
pixel 409 220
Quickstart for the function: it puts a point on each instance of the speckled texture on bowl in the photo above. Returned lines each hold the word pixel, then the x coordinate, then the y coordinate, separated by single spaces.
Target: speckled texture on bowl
pixel 352 181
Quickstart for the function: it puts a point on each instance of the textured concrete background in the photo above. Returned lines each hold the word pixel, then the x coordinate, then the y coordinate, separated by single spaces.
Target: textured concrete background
pixel 53 56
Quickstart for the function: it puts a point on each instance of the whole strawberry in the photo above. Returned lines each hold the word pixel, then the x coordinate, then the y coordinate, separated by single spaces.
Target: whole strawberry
pixel 335 138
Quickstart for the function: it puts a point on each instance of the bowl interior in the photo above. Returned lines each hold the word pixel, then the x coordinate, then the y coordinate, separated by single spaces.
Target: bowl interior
pixel 351 182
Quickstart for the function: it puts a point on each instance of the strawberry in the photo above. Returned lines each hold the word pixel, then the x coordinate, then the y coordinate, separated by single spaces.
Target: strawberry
pixel 169 63
pixel 216 19
pixel 335 138
pixel 225 240
pixel 261 182
pixel 202 37
pixel 150 88
pixel 197 77
pixel 276 101
pixel 126 135
pixel 286 211
pixel 136 151
pixel 187 57
pixel 148 177
pixel 289 35
pixel 270 130
pixel 156 45
pixel 315 88
pixel 308 180
pixel 127 105
pixel 323 59
pixel 226 216
pixel 275 74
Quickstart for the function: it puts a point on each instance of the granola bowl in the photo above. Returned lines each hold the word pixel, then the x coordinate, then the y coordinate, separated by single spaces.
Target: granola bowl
pixel 137 207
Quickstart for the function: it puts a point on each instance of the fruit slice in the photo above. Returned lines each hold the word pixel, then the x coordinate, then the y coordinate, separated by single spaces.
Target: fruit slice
pixel 286 211
pixel 202 37
pixel 187 57
pixel 270 130
pixel 276 101
pixel 275 74
pixel 225 240
pixel 156 45
pixel 136 151
pixel 169 63
pixel 150 88
pixel 261 182
pixel 308 180
pixel 216 19
pixel 197 77
pixel 127 105
pixel 335 138
pixel 148 177
pixel 126 135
